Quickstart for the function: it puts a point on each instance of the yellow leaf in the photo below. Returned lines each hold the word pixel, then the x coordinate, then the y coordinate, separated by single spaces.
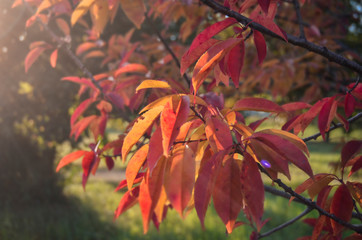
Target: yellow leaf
pixel 152 84
pixel 46 4
pixel 139 129
pixel 135 11
pixel 99 14
pixel 81 9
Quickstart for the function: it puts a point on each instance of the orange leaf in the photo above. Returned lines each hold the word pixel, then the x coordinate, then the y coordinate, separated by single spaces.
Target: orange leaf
pixel 326 115
pixel 134 165
pixel 355 188
pixel 81 9
pixel 100 15
pixel 227 194
pixel 135 11
pixel 133 67
pixel 53 58
pixel 63 25
pixel 209 59
pixel 180 179
pixel 139 128
pixel 153 84
pixel 32 56
pixel 70 158
pixel 150 190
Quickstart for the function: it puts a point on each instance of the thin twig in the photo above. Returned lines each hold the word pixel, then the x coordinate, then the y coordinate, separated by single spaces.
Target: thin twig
pixel 299 19
pixel 355 85
pixel 321 50
pixel 312 204
pixel 168 48
pixel 338 125
pixel 286 224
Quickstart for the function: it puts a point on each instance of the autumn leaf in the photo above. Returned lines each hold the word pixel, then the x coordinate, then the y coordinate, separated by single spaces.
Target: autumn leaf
pixel 99 14
pixel 134 10
pixel 341 207
pixel 172 117
pixel 139 128
pixel 128 200
pixel 235 62
pixel 53 58
pixel 180 178
pixel 203 41
pixel 253 194
pixel 257 104
pixel 70 158
pixel 210 166
pixel 153 84
pixel 260 45
pixel 150 190
pixel 32 56
pixel 134 165
pixel 209 59
pixel 81 9
pixel 326 115
pixel 227 193
pixel 218 133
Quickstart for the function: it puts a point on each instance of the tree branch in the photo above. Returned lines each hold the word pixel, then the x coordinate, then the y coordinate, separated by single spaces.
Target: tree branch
pixel 286 224
pixel 338 125
pixel 299 19
pixel 323 51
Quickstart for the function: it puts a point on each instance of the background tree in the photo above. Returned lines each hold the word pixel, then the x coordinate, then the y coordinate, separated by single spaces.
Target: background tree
pixel 190 142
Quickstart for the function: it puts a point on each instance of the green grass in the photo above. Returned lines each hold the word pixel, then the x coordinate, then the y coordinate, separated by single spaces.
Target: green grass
pixel 89 215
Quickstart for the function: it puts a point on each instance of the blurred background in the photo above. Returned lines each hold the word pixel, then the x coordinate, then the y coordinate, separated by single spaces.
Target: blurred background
pixel 37 203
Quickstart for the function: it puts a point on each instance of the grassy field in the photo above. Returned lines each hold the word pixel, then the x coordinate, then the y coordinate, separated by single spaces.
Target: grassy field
pixel 89 215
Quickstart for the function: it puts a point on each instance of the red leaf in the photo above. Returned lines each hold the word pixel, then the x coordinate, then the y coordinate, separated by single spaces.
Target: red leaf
pixel 218 133
pixel 318 227
pixel 53 58
pixel 32 56
pixel 134 165
pixel 286 149
pixel 135 11
pixel 70 158
pixel 260 45
pixel 270 24
pixel 80 109
pixel 209 59
pixel 264 4
pixel 355 188
pixel 150 190
pixel 349 150
pixel 294 106
pixel 172 117
pixel 315 184
pixel 356 166
pixel 341 207
pixel 253 189
pixel 82 81
pixel 109 162
pixel 123 183
pixel 87 164
pixel 235 62
pixel 227 195
pixel 116 99
pixel 127 201
pixel 81 125
pixel 191 56
pixel 326 115
pixel 257 104
pixel 204 185
pixel 349 104
pixel 180 179
pixel 204 36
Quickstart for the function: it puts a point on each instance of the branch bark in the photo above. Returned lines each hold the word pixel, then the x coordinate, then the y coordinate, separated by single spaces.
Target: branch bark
pixel 297 41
